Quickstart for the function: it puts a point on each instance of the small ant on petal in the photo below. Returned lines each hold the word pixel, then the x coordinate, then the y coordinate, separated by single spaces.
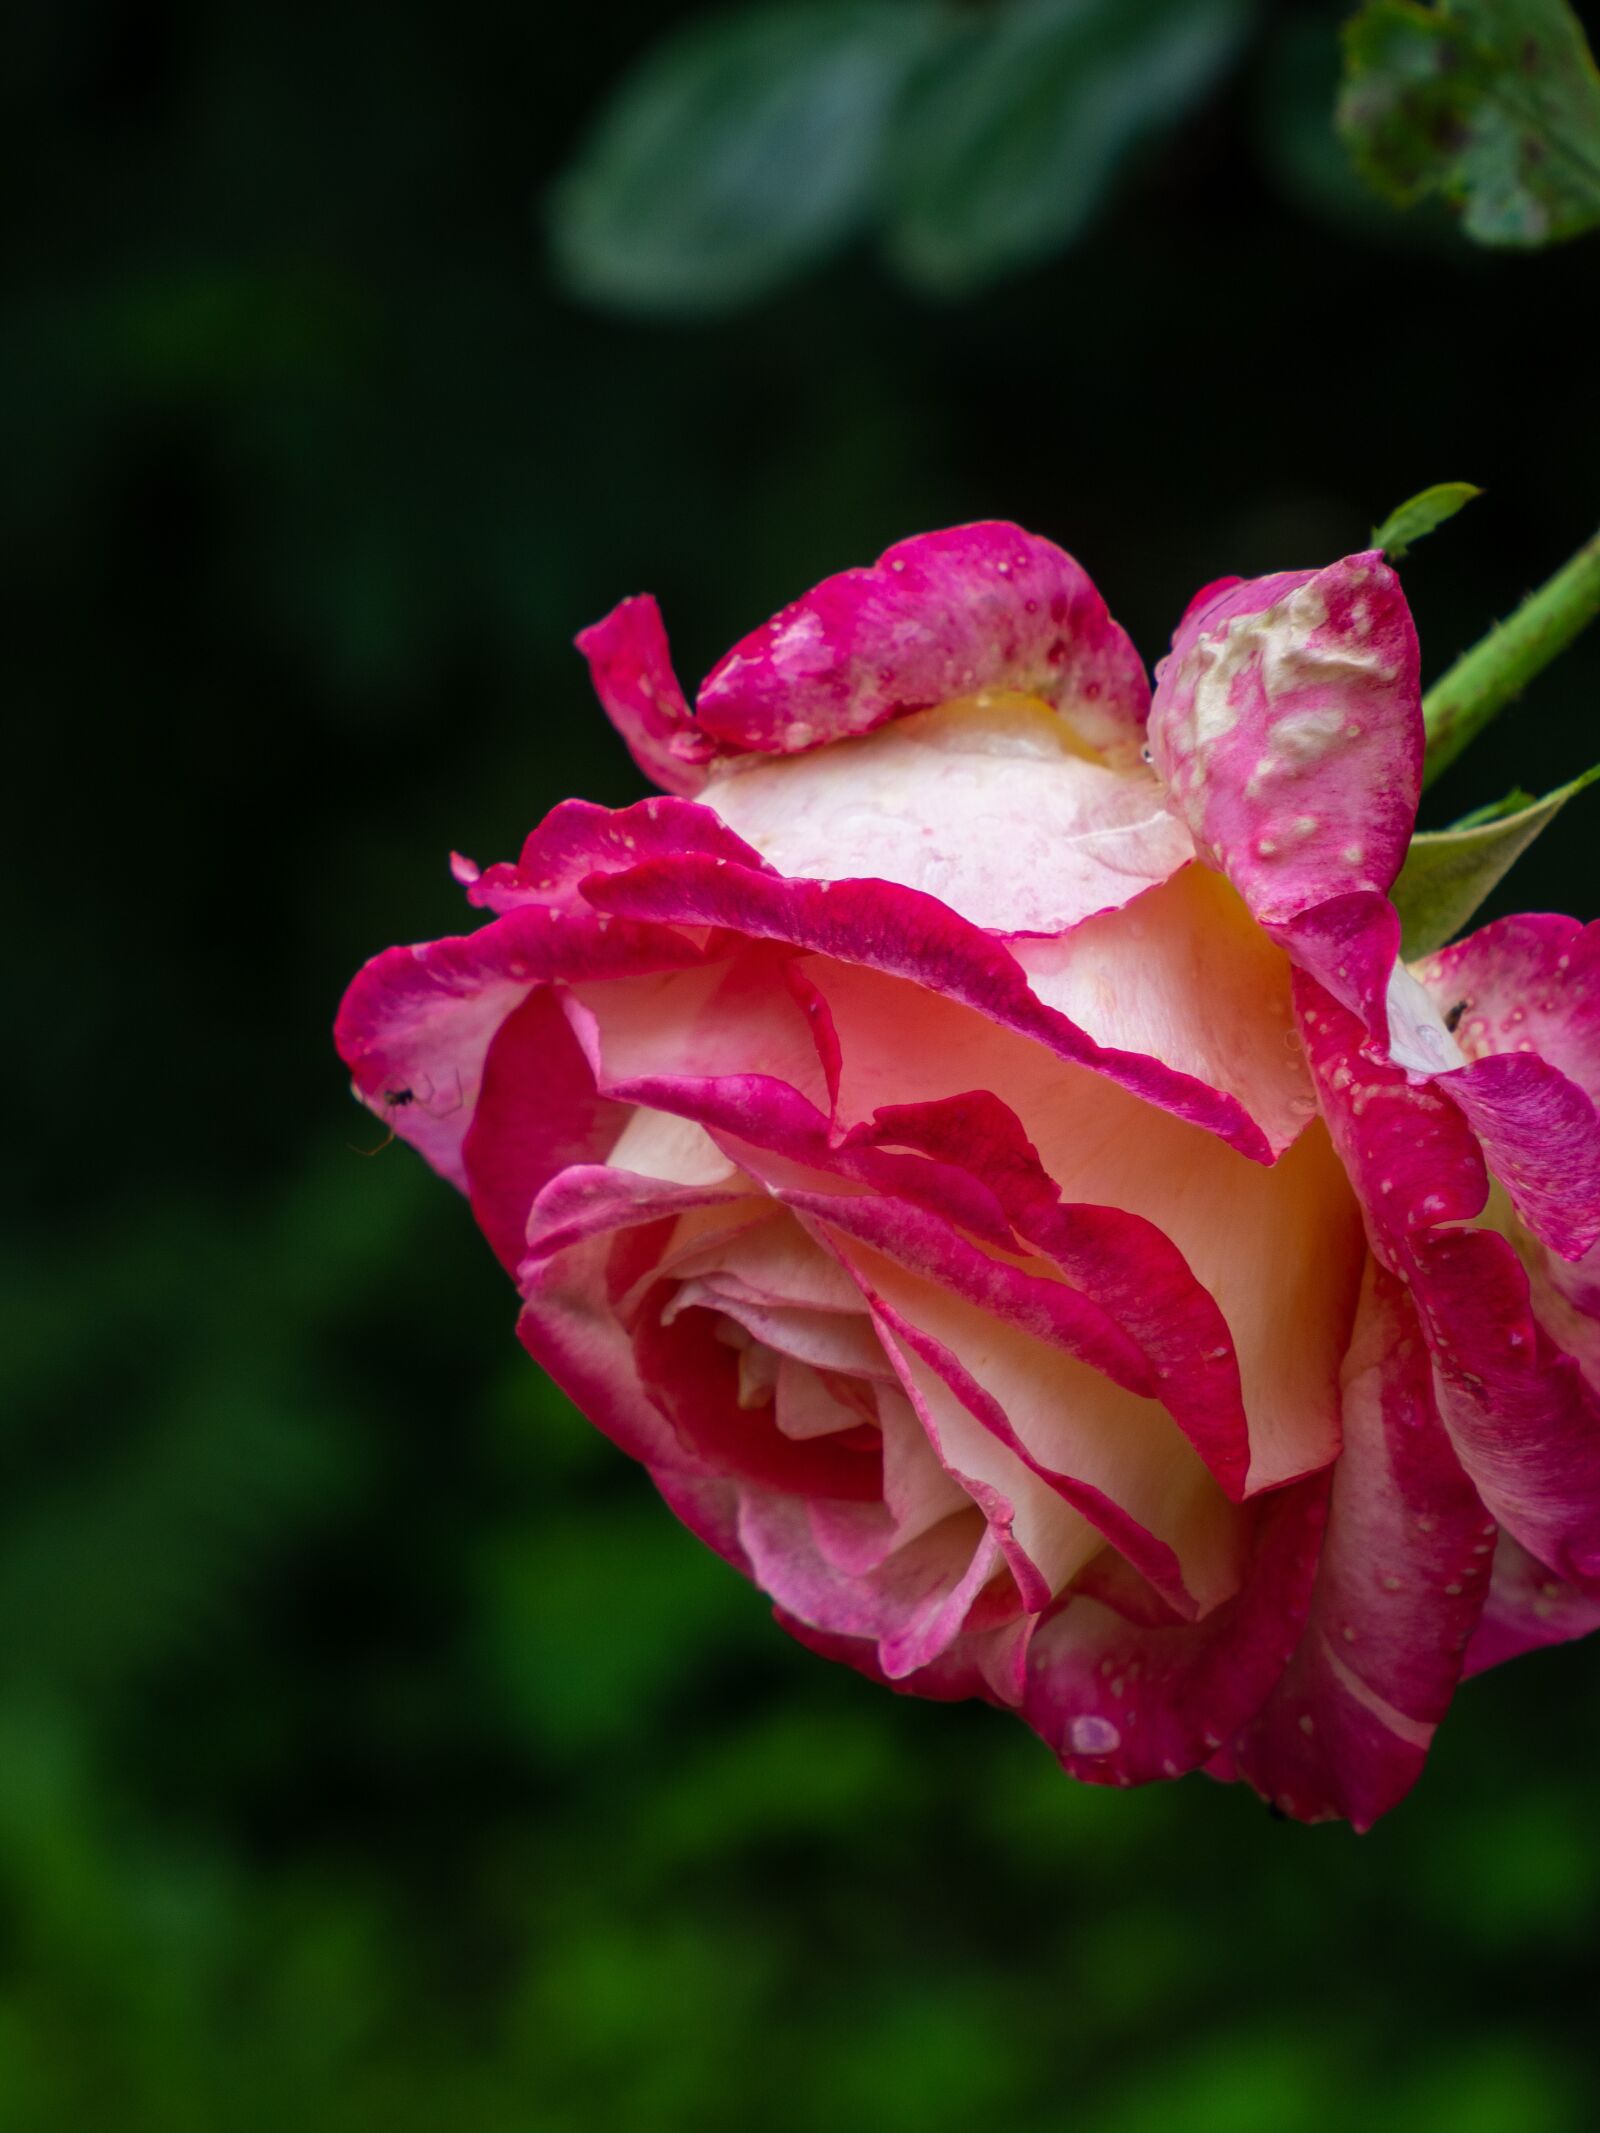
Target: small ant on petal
pixel 393 1100
pixel 397 1099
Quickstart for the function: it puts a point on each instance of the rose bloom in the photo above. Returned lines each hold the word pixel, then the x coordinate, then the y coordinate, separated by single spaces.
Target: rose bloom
pixel 975 1143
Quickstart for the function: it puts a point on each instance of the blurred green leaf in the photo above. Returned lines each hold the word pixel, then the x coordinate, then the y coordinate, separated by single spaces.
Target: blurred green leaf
pixel 1294 88
pixel 1418 516
pixel 1449 872
pixel 744 148
pixel 1493 103
pixel 1006 147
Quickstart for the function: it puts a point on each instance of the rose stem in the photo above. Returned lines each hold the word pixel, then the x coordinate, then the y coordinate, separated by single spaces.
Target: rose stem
pixel 1500 666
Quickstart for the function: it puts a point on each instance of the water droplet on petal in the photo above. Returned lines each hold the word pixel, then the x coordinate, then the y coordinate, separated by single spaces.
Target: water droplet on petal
pixel 1089 1735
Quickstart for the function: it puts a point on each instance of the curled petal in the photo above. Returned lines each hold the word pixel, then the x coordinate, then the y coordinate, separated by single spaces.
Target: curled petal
pixel 1122 1703
pixel 1522 999
pixel 985 804
pixel 416 1024
pixel 988 1662
pixel 1526 1609
pixel 1287 724
pixel 1542 1140
pixel 1522 1419
pixel 1182 974
pixel 942 616
pixel 1398 1592
pixel 1529 983
pixel 912 1607
pixel 903 933
pixel 631 668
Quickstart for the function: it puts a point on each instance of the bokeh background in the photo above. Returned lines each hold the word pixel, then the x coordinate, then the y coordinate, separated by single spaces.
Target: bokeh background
pixel 374 1749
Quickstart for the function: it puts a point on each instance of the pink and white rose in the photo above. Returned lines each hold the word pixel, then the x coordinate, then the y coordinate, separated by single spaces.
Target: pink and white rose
pixel 974 1141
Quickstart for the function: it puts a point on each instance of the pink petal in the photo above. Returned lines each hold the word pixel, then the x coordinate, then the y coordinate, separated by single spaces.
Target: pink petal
pixel 1122 1703
pixel 1399 1589
pixel 989 1662
pixel 731 1018
pixel 632 673
pixel 1279 1250
pixel 694 1379
pixel 1526 982
pixel 1118 1460
pixel 1527 1609
pixel 1287 724
pixel 538 1113
pixel 1183 974
pixel 1542 1140
pixel 1521 1418
pixel 941 616
pixel 1128 1266
pixel 912 1607
pixel 984 805
pixel 903 933
pixel 415 1024
pixel 1523 999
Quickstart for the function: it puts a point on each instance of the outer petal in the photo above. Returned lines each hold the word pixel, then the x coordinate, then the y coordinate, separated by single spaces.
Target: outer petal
pixel 632 673
pixel 1522 1419
pixel 1530 983
pixel 1526 1609
pixel 983 1661
pixel 1122 1703
pixel 520 1139
pixel 906 934
pixel 941 616
pixel 416 1024
pixel 912 1608
pixel 1183 974
pixel 1398 1592
pixel 985 804
pixel 1287 724
pixel 1522 997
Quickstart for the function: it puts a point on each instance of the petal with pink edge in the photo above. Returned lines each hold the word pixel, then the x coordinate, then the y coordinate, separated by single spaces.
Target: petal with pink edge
pixel 940 616
pixel 1122 1703
pixel 988 1662
pixel 1522 1419
pixel 1287 724
pixel 416 1024
pixel 1531 982
pixel 907 934
pixel 1398 1592
pixel 631 668
pixel 985 804
pixel 1519 1003
pixel 1526 1609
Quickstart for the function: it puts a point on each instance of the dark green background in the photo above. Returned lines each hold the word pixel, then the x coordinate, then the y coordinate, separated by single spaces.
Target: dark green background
pixel 374 1750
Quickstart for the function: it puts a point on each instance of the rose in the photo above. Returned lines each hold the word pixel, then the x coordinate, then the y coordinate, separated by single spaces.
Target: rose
pixel 977 1146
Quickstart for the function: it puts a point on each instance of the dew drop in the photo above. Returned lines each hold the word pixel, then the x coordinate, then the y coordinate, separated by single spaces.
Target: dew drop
pixel 1089 1735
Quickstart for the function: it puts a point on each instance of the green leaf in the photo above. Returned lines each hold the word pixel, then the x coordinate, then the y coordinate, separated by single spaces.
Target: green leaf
pixel 1006 147
pixel 1495 104
pixel 744 149
pixel 1417 517
pixel 1448 873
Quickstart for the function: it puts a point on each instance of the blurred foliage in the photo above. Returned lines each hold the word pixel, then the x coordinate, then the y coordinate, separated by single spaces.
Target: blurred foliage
pixel 979 139
pixel 1007 147
pixel 1421 515
pixel 374 1749
pixel 1495 104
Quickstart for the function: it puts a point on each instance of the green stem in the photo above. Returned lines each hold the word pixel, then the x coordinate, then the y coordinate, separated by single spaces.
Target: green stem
pixel 1459 705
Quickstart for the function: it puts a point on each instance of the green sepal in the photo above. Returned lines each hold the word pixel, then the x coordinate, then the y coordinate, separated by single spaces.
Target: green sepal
pixel 1449 872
